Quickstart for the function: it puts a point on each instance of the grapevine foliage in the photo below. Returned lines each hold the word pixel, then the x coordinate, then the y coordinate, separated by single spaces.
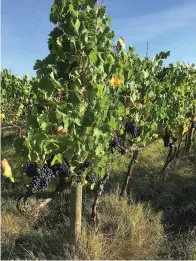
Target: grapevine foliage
pixel 91 97
pixel 16 97
pixel 77 117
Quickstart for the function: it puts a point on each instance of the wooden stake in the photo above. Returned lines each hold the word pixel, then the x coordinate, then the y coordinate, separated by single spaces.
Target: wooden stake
pixel 76 212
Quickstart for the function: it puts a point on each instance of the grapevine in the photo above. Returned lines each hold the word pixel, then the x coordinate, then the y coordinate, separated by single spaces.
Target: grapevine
pixel 92 100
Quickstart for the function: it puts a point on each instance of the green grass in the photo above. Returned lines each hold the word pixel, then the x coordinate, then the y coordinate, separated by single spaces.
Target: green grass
pixel 159 221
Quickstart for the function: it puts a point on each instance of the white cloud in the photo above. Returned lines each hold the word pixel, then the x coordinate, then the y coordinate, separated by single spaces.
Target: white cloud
pixel 146 27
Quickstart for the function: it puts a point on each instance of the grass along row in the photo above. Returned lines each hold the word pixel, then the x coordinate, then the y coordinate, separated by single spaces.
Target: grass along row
pixel 157 222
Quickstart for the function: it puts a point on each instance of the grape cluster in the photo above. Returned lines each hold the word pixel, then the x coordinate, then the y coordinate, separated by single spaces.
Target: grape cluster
pixel 60 169
pixel 166 140
pixel 193 124
pixel 85 165
pixel 42 180
pixel 30 169
pixel 56 169
pixel 65 171
pixel 115 143
pixel 131 127
pixel 91 179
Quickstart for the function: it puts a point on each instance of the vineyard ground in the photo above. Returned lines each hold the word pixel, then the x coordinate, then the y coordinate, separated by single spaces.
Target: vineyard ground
pixel 158 223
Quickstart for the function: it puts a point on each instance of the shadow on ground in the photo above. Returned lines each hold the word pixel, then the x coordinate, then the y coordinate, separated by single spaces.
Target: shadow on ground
pixel 175 195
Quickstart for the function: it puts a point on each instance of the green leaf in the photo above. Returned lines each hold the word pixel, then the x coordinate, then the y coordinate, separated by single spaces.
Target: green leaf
pixel 69 154
pixel 51 148
pixel 64 141
pixel 113 123
pixel 47 85
pixel 91 3
pixel 53 14
pixel 74 97
pixel 109 19
pixel 73 12
pixel 99 150
pixel 151 94
pixel 77 25
pixel 27 144
pixel 92 186
pixel 122 43
pixel 77 121
pixel 22 151
pixel 93 56
pixel 57 158
pixel 44 126
pixel 90 142
pixel 146 75
pixel 53 185
pixel 27 181
pixel 59 41
pixel 88 118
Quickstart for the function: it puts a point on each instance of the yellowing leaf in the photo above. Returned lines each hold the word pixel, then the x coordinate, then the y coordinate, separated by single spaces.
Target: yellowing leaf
pixel 118 81
pixel 12 179
pixel 60 128
pixel 6 170
pixel 2 116
pixel 115 82
pixel 112 81
pixel 127 112
pixel 141 123
pixel 84 182
pixel 185 129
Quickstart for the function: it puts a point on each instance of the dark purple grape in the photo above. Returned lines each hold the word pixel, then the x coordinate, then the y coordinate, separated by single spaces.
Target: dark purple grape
pixel 87 163
pixel 115 143
pixel 30 169
pixel 42 180
pixel 65 171
pixel 83 167
pixel 59 169
pixel 91 179
pixel 131 128
pixel 166 140
pixel 80 172
pixel 193 124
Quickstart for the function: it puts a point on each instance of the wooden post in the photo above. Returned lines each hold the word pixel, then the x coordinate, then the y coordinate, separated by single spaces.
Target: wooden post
pixel 76 212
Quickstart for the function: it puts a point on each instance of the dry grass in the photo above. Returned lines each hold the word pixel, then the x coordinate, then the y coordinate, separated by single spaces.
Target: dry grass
pixel 125 232
pixel 13 226
pixel 183 245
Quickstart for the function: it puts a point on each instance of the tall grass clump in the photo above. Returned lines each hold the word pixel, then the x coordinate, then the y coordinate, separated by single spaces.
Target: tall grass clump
pixel 125 232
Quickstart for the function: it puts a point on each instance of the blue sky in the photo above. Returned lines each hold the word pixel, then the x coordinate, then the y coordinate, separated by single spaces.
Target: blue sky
pixel 166 25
